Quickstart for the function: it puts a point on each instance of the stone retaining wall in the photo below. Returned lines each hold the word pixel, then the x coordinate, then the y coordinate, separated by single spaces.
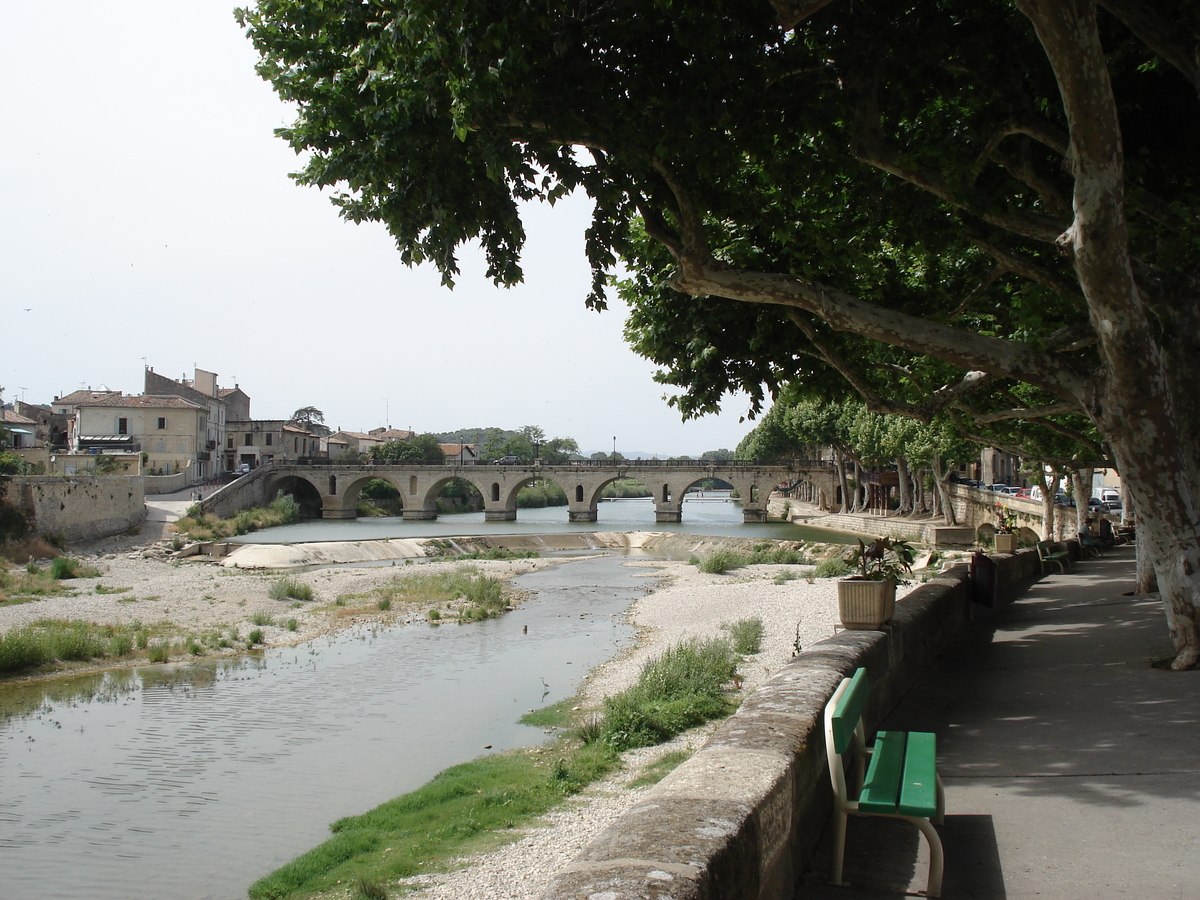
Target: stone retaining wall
pixel 79 507
pixel 740 819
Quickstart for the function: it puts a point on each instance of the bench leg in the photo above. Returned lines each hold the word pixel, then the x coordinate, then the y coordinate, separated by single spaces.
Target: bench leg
pixel 936 861
pixel 839 846
pixel 940 818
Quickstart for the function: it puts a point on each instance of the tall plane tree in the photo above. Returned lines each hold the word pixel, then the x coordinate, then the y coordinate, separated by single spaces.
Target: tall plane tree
pixel 938 201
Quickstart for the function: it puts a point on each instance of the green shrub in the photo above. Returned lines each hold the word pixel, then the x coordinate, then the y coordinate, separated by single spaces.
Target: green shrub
pixel 254 637
pixel 384 604
pixel 366 889
pixel 679 690
pixel 158 653
pixel 261 617
pixel 832 568
pixel 63 567
pixel 291 624
pixel 719 562
pixel 289 588
pixel 746 635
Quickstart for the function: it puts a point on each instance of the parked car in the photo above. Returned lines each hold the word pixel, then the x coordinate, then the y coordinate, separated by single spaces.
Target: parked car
pixel 243 469
pixel 1002 488
pixel 1023 492
pixel 1063 499
pixel 1112 506
pixel 1094 504
pixel 507 461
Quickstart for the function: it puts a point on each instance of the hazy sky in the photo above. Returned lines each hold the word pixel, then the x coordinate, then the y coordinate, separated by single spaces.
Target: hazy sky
pixel 148 220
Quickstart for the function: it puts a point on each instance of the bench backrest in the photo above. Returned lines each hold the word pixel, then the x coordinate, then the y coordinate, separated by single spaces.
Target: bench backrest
pixel 1045 548
pixel 848 704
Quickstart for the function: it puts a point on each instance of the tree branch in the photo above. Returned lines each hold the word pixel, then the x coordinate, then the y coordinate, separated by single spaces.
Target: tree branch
pixel 1160 35
pixel 967 350
pixel 1032 412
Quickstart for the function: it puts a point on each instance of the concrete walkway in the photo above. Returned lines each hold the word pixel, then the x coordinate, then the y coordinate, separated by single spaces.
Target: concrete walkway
pixel 1072 765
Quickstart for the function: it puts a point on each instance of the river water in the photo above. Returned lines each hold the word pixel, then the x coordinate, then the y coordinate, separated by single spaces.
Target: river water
pixel 191 781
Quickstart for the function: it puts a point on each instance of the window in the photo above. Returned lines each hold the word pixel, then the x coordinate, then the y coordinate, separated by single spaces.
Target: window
pixel 162 423
pixel 269 437
pixel 122 426
pixel 248 439
pixel 229 442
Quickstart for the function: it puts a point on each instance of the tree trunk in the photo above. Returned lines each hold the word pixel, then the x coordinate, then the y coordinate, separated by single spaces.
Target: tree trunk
pixel 1078 491
pixel 943 496
pixel 840 462
pixel 1048 483
pixel 906 504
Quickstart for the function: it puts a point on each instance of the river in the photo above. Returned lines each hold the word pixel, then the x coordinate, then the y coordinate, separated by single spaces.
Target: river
pixel 194 780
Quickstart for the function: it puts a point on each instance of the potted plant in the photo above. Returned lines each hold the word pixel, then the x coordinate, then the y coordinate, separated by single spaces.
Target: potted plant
pixel 868 598
pixel 1006 527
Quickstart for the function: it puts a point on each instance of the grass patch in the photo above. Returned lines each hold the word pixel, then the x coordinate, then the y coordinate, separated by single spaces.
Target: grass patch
pixel 834 567
pixel 681 689
pixel 661 768
pixel 32 581
pixel 481 596
pixel 498 553
pixel 721 561
pixel 288 588
pixel 101 589
pixel 57 640
pixel 284 510
pixel 746 635
pixel 556 715
pixel 464 809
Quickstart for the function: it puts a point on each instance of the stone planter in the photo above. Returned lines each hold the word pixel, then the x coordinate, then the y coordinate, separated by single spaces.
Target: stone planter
pixel 864 604
pixel 1006 543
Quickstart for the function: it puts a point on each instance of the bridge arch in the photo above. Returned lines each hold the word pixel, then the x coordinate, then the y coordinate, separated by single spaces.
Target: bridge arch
pixel 300 487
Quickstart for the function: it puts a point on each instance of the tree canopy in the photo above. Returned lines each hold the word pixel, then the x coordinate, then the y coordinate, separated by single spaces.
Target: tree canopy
pixel 423 448
pixel 982 210
pixel 311 420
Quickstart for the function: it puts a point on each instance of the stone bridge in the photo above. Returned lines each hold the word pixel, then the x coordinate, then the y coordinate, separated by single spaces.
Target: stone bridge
pixel 331 490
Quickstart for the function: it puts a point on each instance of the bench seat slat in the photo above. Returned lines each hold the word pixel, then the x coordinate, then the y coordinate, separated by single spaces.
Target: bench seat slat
pixel 881 789
pixel 918 791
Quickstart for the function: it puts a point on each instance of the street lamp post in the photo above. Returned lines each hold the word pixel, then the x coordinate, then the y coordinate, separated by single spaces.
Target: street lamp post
pixel 614 454
pixel 460 449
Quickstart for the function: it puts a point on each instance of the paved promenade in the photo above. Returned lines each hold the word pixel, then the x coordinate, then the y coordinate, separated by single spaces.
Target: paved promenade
pixel 1072 766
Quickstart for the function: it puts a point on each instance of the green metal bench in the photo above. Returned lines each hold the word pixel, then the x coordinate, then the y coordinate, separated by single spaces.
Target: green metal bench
pixel 900 782
pixel 1048 553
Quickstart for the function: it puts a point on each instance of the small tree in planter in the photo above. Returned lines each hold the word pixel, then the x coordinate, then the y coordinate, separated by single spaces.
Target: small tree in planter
pixel 868 599
pixel 1006 529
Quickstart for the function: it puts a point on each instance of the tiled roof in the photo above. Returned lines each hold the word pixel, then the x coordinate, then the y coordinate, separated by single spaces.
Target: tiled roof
pixel 76 397
pixel 144 402
pixel 15 418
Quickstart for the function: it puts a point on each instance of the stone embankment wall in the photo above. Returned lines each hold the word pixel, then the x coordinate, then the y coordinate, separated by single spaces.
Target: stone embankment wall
pixel 247 491
pixel 165 484
pixel 741 818
pixel 77 507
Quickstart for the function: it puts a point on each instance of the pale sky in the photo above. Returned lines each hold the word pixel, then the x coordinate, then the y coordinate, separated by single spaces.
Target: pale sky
pixel 148 220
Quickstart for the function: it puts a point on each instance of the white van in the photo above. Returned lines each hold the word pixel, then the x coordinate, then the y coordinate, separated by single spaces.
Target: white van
pixel 1109 493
